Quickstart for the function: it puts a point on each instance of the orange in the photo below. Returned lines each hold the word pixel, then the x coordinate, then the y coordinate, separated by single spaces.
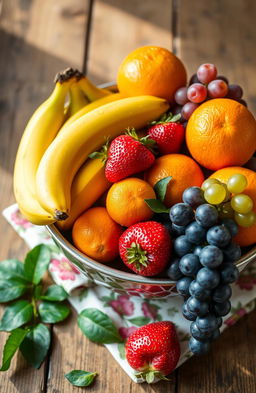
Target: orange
pixel 246 236
pixel 151 70
pixel 221 133
pixel 185 173
pixel 126 201
pixel 97 235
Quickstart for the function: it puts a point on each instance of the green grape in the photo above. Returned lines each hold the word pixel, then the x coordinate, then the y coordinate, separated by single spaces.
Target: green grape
pixel 215 194
pixel 208 182
pixel 245 220
pixel 225 210
pixel 242 203
pixel 228 194
pixel 237 183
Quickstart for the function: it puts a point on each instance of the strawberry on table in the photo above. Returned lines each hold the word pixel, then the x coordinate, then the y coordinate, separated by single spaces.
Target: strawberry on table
pixel 168 134
pixel 145 248
pixel 127 154
pixel 153 350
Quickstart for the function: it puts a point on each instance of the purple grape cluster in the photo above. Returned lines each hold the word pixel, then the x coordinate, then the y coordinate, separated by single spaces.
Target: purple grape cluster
pixel 205 85
pixel 204 265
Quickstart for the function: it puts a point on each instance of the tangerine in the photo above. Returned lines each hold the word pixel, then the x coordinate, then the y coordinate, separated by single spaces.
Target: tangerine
pixel 185 173
pixel 221 133
pixel 246 236
pixel 151 70
pixel 126 201
pixel 97 235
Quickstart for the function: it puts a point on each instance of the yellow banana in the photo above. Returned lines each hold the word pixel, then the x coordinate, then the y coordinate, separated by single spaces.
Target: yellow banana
pixel 91 91
pixel 93 105
pixel 71 147
pixel 39 133
pixel 88 185
pixel 77 100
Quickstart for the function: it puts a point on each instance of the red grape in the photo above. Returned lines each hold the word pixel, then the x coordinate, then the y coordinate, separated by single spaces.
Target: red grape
pixel 217 89
pixel 181 96
pixel 223 78
pixel 188 109
pixel 206 73
pixel 193 79
pixel 235 92
pixel 197 93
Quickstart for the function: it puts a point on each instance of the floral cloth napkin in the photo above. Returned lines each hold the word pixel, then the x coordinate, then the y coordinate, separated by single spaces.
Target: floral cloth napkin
pixel 127 312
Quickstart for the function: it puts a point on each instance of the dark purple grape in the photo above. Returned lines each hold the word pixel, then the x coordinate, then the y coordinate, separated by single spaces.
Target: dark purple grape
pixel 193 79
pixel 223 78
pixel 235 92
pixel 188 109
pixel 181 96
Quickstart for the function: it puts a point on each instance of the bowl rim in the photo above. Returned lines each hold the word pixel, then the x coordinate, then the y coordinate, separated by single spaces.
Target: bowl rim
pixel 250 256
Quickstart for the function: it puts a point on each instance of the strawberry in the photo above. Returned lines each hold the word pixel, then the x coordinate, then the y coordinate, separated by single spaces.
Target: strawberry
pixel 168 134
pixel 126 156
pixel 153 350
pixel 145 248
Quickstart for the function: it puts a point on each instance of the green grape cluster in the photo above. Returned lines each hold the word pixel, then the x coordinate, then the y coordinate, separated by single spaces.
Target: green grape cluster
pixel 231 201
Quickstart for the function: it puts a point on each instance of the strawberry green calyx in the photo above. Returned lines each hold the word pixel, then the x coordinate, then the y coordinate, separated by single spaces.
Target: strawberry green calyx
pixel 151 376
pixel 145 140
pixel 137 256
pixel 102 154
pixel 167 118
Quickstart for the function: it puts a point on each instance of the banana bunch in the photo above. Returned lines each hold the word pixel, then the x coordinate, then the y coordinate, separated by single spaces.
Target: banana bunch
pixel 53 180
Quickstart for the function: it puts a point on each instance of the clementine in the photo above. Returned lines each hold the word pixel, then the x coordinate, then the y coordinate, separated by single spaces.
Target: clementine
pixel 151 70
pixel 185 173
pixel 221 133
pixel 246 236
pixel 97 235
pixel 126 201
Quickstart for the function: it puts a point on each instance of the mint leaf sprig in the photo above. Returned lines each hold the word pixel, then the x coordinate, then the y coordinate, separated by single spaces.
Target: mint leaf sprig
pixel 25 318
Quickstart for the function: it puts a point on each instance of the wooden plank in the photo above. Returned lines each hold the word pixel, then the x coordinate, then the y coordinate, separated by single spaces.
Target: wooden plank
pixel 74 351
pixel 119 27
pixel 222 33
pixel 37 39
pixel 229 367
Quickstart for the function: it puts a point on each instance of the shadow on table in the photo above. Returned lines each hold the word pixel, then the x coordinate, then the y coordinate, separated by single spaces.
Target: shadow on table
pixel 27 75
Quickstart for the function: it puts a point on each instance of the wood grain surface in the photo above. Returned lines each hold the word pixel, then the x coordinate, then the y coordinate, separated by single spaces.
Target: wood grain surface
pixel 39 38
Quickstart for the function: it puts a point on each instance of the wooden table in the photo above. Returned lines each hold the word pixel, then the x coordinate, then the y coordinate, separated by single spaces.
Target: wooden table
pixel 39 38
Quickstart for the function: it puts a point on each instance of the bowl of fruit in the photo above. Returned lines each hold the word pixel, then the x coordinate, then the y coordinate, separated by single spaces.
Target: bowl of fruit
pixel 150 189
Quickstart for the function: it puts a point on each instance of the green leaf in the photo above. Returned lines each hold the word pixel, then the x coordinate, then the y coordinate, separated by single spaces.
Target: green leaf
pixel 36 263
pixel 161 187
pixel 80 377
pixel 12 268
pixel 156 206
pixel 53 312
pixel 98 327
pixel 16 315
pixel 150 377
pixel 121 350
pixel 12 289
pixel 36 344
pixel 12 344
pixel 139 321
pixel 55 293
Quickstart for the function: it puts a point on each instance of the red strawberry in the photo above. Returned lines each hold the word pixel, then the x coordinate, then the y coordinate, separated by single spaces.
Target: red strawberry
pixel 167 134
pixel 145 248
pixel 153 350
pixel 128 155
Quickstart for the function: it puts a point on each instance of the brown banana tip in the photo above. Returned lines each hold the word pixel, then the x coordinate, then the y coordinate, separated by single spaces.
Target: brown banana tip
pixel 67 74
pixel 60 216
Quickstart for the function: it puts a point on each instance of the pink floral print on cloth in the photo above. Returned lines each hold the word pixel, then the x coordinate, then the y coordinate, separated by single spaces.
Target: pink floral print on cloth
pixel 19 220
pixel 122 305
pixel 64 269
